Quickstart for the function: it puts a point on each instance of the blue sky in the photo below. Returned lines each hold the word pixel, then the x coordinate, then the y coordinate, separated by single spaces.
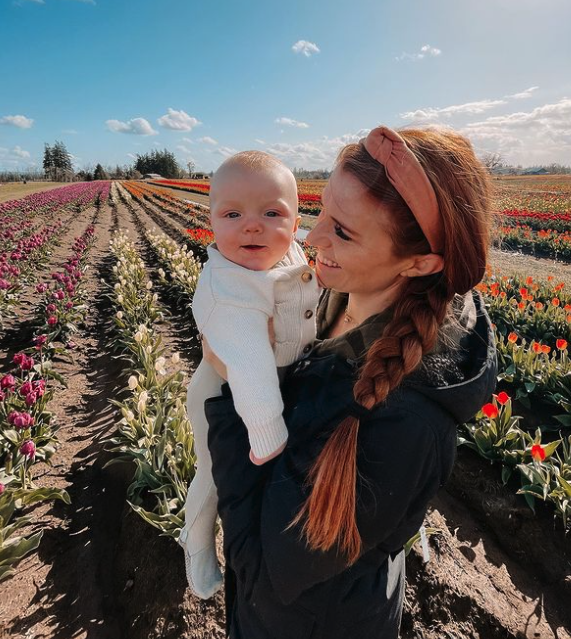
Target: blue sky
pixel 113 78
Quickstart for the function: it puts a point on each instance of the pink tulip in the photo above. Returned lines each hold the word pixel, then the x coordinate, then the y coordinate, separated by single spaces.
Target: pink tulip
pixel 40 387
pixel 26 388
pixel 4 285
pixel 51 308
pixel 52 321
pixel 28 449
pixel 2 488
pixel 41 288
pixel 8 382
pixel 31 399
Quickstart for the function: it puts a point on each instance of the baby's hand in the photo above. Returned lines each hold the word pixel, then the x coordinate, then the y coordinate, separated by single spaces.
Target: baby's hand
pixel 259 461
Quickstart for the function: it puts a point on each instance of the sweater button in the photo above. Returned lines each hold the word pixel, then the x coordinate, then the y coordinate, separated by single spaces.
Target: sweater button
pixel 306 349
pixel 308 314
pixel 306 276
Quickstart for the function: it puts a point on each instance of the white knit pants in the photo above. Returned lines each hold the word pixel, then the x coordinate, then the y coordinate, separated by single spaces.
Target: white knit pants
pixel 197 535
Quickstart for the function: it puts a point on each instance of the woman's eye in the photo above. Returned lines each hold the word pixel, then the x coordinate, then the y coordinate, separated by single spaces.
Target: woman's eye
pixel 340 233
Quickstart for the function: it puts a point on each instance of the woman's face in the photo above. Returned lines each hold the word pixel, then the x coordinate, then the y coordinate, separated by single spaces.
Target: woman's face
pixel 353 241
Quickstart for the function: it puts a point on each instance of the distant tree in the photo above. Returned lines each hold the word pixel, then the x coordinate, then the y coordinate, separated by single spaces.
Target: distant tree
pixel 48 163
pixel 492 161
pixel 84 176
pixel 162 162
pixel 57 162
pixel 100 173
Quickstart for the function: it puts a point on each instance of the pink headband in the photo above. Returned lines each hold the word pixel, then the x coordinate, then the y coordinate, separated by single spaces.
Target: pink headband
pixel 408 177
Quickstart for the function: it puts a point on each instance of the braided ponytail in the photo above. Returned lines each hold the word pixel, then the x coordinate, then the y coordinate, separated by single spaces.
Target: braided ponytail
pixel 328 516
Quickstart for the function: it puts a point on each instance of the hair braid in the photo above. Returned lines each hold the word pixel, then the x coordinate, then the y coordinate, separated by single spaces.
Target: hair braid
pixel 412 332
pixel 461 183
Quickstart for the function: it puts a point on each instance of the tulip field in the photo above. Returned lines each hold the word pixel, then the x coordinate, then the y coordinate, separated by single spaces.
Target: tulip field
pixel 97 344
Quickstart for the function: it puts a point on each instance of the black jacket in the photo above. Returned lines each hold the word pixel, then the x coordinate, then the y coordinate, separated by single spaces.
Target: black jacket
pixel 277 588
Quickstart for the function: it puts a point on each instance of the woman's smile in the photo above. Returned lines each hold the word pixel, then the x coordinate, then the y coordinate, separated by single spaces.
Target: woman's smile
pixel 328 263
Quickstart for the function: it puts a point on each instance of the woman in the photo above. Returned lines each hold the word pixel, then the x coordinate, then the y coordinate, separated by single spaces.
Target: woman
pixel 314 539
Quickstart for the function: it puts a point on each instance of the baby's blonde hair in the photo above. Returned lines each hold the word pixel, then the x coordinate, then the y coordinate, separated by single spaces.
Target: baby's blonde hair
pixel 257 160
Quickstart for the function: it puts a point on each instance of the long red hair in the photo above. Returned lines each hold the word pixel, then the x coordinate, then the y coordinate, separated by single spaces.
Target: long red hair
pixel 462 189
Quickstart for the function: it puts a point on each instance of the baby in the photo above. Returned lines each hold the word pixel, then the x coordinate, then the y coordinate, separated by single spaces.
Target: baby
pixel 256 280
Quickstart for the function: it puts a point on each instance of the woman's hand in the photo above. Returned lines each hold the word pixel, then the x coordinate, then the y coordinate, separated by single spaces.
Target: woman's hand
pixel 217 364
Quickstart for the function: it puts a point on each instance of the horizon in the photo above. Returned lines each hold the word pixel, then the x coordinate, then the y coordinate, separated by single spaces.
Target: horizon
pixel 298 81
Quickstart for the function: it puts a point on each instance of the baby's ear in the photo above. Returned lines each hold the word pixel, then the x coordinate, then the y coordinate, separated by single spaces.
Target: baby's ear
pixel 296 225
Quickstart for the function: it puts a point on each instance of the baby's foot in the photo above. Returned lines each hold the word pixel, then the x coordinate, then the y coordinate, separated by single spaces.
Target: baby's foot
pixel 202 571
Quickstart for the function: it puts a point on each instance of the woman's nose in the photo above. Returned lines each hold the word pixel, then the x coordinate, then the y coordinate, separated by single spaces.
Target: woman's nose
pixel 317 236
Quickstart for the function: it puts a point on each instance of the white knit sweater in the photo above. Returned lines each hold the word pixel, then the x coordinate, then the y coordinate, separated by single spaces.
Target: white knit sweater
pixel 232 306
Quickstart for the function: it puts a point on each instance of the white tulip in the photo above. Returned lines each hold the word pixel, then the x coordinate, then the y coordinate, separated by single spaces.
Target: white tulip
pixel 149 285
pixel 133 382
pixel 129 416
pixel 119 315
pixel 138 336
pixel 175 359
pixel 120 299
pixel 160 363
pixel 161 272
pixel 117 286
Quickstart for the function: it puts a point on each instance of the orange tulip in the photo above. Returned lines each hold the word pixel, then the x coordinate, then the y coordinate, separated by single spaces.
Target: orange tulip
pixel 512 337
pixel 561 344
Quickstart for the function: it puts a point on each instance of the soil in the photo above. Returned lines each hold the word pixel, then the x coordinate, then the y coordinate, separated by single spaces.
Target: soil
pixel 101 572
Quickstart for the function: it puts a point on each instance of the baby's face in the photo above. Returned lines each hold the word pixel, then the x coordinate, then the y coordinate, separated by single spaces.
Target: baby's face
pixel 253 214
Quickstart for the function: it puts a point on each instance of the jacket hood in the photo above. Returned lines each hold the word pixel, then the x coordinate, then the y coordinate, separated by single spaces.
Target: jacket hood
pixel 460 373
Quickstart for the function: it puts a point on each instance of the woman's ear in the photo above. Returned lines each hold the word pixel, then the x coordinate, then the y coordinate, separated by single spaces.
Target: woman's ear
pixel 424 265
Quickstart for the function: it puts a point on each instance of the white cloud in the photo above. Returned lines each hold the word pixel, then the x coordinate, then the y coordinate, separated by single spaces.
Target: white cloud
pixel 293 123
pixel 20 121
pixel 132 156
pixel 539 136
pixel 208 140
pixel 426 51
pixel 178 121
pixel 13 158
pixel 70 131
pixel 305 47
pixel 225 151
pixel 259 141
pixel 183 148
pixel 136 126
pixel 20 153
pixel 470 108
pixel 315 154
pixel 524 94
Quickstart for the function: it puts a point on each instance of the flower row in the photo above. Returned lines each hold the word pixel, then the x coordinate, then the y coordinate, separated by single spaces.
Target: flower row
pixel 154 432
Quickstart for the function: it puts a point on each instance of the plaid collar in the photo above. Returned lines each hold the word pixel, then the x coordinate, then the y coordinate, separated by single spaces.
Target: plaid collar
pixel 352 345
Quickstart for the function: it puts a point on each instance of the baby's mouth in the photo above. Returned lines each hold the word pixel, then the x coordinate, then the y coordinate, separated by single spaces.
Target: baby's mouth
pixel 253 247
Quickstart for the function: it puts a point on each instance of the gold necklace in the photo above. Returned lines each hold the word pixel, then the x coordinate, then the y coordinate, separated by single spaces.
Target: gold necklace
pixel 348 319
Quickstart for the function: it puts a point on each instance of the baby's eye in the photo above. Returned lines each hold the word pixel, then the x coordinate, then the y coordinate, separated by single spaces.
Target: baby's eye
pixel 272 213
pixel 232 214
pixel 340 233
